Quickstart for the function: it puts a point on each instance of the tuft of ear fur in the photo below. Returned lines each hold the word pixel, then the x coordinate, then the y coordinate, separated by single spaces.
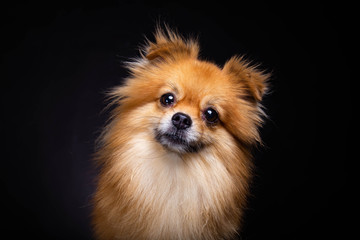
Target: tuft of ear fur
pixel 252 81
pixel 169 45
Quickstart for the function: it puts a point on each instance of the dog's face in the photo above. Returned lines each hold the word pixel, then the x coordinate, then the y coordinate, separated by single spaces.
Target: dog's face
pixel 187 104
pixel 193 104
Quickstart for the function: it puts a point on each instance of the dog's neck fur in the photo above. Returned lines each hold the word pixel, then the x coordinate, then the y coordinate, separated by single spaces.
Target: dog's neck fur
pixel 179 195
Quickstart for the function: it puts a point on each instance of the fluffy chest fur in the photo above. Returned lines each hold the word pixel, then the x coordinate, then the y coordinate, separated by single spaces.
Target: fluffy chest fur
pixel 155 194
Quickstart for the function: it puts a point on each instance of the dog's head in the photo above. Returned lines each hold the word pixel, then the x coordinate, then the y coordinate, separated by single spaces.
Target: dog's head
pixel 186 104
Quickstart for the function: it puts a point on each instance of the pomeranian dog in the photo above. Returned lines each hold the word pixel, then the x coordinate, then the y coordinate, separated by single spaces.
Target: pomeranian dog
pixel 175 155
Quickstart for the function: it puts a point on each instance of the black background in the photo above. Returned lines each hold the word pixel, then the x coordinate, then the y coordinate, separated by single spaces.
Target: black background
pixel 58 59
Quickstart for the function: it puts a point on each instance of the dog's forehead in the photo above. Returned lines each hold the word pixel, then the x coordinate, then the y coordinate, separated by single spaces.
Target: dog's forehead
pixel 198 79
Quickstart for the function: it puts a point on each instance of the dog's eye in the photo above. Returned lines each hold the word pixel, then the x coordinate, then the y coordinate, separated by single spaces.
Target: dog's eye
pixel 167 99
pixel 211 115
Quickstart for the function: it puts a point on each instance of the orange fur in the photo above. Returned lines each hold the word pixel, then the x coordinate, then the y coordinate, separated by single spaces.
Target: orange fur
pixel 146 191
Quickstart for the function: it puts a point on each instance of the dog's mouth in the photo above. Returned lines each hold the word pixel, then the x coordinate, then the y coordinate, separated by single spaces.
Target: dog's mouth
pixel 177 141
pixel 176 138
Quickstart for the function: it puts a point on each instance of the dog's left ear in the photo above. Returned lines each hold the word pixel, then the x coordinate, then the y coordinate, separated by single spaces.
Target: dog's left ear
pixel 251 82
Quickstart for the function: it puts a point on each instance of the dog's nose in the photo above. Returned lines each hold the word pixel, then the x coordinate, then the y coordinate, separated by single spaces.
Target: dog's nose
pixel 181 120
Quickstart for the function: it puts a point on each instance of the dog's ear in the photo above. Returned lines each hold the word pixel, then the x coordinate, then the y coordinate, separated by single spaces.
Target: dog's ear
pixel 250 81
pixel 170 46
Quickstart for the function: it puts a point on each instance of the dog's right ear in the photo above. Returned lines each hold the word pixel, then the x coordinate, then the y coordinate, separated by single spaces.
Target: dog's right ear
pixel 251 82
pixel 170 46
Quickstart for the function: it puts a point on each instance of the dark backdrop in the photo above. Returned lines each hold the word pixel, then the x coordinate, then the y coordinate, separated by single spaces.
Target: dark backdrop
pixel 58 59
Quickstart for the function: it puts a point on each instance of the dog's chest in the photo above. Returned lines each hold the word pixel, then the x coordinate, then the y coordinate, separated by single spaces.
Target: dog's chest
pixel 177 193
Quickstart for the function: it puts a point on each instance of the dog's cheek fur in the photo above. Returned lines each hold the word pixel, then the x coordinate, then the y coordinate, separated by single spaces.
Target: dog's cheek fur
pixel 243 122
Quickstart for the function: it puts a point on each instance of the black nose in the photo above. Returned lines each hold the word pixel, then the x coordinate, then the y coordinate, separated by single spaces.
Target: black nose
pixel 181 120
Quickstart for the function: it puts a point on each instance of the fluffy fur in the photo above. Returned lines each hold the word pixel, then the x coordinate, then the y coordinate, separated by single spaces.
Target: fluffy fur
pixel 152 188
